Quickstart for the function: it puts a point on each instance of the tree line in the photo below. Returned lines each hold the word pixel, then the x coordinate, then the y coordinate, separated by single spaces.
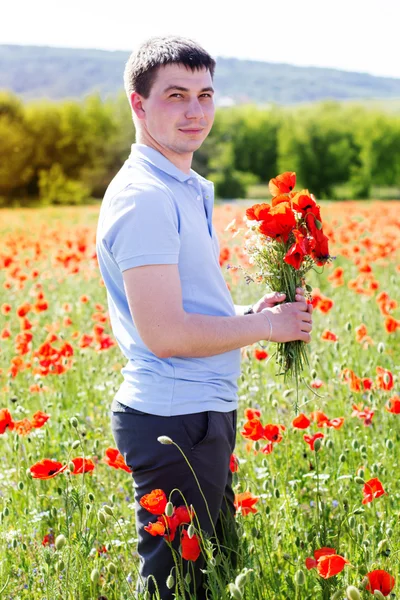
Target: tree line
pixel 67 152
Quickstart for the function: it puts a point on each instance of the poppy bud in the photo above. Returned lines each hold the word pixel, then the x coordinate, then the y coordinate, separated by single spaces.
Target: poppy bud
pixel 6 512
pixel 95 575
pixel 74 422
pixel 170 581
pixel 363 449
pixel 190 531
pixel 112 568
pixel 60 565
pixel 317 444
pixel 352 593
pixel 164 439
pixel 90 497
pixel 235 592
pixel 75 444
pixel 108 509
pixel 380 347
pixel 359 480
pixel 338 595
pixel 101 517
pixel 348 326
pixel 20 485
pixel 329 443
pixel 382 545
pixel 60 542
pixel 188 578
pixel 355 444
pixel 274 403
pixel 379 595
pixel 71 466
pixel 361 473
pixel 54 512
pixel 169 509
pixel 342 458
pixel 360 529
pixel 276 493
pixel 299 577
pixel 313 374
pixel 389 532
pixel 352 522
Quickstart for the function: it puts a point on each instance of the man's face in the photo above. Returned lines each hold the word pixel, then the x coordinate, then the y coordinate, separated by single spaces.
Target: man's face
pixel 179 113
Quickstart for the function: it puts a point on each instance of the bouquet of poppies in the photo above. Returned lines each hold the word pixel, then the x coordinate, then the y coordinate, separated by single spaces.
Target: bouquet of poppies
pixel 285 241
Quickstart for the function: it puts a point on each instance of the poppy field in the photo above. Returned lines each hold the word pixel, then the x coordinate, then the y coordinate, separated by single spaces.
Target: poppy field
pixel 317 492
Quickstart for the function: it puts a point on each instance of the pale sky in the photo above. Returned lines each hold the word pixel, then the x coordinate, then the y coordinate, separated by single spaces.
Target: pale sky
pixel 353 35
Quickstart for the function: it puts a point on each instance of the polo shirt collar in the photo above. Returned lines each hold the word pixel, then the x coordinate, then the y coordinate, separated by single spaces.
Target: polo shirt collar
pixel 158 160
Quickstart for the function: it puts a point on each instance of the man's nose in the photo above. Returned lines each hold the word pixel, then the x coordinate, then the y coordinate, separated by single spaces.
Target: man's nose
pixel 194 109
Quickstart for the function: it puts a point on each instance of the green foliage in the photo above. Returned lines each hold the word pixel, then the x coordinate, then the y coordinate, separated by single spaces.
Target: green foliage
pixel 56 188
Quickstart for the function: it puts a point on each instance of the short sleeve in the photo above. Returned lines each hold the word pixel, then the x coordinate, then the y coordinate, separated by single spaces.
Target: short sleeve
pixel 141 227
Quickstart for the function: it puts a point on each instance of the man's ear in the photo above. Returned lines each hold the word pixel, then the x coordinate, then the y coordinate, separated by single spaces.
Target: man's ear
pixel 136 102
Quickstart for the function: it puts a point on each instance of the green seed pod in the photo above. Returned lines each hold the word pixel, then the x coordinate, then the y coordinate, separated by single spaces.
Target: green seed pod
pixel 329 443
pixel 317 444
pixel 101 517
pixel 361 473
pixel 14 543
pixel 235 592
pixel 382 546
pixel 164 439
pixel 342 458
pixel 363 449
pixel 274 403
pixel 380 347
pixel 112 568
pixel 109 509
pixel 360 529
pixel 353 593
pixel 60 542
pixel 379 595
pixel 389 444
pixel 71 467
pixel 188 578
pixel 354 444
pixel 310 536
pixel 20 485
pixel 95 575
pixel 54 512
pixel 91 497
pixel 338 595
pixel 190 531
pixel 299 577
pixel 277 493
pixel 75 444
pixel 359 480
pixel 352 522
pixel 74 422
pixel 6 511
pixel 389 532
pixel 169 509
pixel 170 581
pixel 348 326
pixel 60 565
pixel 314 374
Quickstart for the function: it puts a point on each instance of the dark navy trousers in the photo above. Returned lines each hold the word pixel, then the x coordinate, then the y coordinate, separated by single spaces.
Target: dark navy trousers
pixel 208 440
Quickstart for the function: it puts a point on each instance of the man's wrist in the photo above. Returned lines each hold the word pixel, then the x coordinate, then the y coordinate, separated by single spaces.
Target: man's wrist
pixel 249 311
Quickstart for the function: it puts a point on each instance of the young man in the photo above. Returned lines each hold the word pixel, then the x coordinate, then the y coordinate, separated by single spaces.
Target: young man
pixel 170 309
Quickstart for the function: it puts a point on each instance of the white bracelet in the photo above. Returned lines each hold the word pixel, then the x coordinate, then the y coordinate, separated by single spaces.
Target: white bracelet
pixel 270 326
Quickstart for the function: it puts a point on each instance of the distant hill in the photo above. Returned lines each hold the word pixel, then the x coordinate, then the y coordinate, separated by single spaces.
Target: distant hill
pixel 56 73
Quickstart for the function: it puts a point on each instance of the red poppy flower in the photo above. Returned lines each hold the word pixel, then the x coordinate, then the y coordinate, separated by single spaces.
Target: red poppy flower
pixel 279 222
pixel 258 212
pixel 39 419
pixel 329 336
pixel 234 463
pixel 156 528
pixel 380 580
pixel 155 502
pixel 114 459
pixel 393 405
pixel 319 418
pixel 23 427
pixel 82 465
pixel 48 540
pixel 46 469
pixel 252 413
pixel 384 379
pixel 372 489
pixel 273 432
pixel 246 502
pixel 6 420
pixel 190 546
pixel 260 354
pixel 301 248
pixel 301 421
pixel 283 183
pixel 331 565
pixel 310 439
pixel 336 423
pixel 253 430
pixel 171 524
pixel 183 515
pixel 311 563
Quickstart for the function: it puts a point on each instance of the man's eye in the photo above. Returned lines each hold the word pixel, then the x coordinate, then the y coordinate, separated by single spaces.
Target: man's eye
pixel 208 95
pixel 172 95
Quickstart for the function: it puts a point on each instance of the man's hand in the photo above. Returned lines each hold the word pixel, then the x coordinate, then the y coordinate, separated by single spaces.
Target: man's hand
pixel 290 321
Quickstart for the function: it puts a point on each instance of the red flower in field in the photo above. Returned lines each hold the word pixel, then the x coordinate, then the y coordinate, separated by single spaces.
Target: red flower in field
pixel 5 308
pixel 331 565
pixel 156 528
pixel 155 502
pixel 372 489
pixel 23 310
pixel 246 502
pixel 6 333
pixel 279 222
pixel 6 421
pixel 171 524
pixel 319 418
pixel 253 430
pixel 190 546
pixel 252 413
pixel 258 212
pixel 273 432
pixel 329 336
pixel 301 421
pixel 23 427
pixel 82 465
pixel 84 299
pixel 336 278
pixel 234 463
pixel 114 459
pixel 380 580
pixel 260 354
pixel 352 380
pixel 48 540
pixel 336 423
pixel 391 324
pixel 268 448
pixel 323 303
pixel 393 405
pixel 363 413
pixel 384 379
pixel 367 383
pixel 316 383
pixel 46 469
pixel 39 419
pixel 310 439
pixel 283 183
pixel 183 515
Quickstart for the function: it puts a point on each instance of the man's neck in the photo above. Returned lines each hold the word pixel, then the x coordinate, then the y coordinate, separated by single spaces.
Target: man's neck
pixel 183 162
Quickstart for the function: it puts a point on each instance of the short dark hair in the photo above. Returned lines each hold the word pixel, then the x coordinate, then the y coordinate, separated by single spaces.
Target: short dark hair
pixel 143 64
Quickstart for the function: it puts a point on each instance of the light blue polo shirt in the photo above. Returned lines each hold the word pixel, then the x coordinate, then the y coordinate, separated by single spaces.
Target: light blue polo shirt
pixel 154 213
